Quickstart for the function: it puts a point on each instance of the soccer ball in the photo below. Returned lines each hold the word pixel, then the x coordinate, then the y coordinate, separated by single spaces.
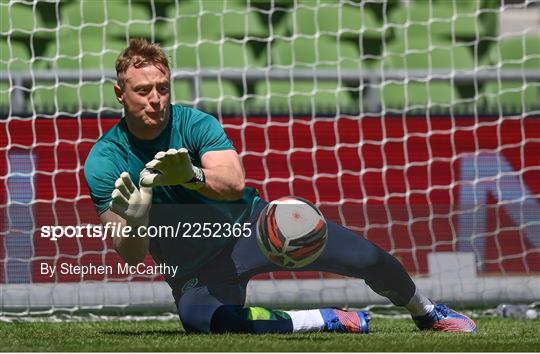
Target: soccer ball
pixel 291 232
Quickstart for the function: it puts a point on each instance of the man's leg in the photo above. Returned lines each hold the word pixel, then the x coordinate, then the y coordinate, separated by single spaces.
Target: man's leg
pixel 212 301
pixel 249 261
pixel 202 312
pixel 355 256
pixel 349 254
pixel 216 308
pixel 345 253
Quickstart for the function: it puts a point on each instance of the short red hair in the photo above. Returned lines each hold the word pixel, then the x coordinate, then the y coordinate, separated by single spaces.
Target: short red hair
pixel 139 53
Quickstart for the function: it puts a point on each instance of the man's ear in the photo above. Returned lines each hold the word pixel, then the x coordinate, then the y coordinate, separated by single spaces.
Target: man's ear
pixel 119 93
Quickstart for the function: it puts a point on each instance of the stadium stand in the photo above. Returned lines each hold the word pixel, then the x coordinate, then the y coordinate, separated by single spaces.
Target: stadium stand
pixel 518 54
pixel 218 19
pixel 258 35
pixel 74 56
pixel 353 25
pixel 414 55
pixel 318 54
pixel 23 24
pixel 215 55
pixel 444 19
pixel 13 57
pixel 114 20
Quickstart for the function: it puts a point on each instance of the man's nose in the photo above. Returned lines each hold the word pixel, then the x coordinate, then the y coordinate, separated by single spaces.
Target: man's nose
pixel 153 98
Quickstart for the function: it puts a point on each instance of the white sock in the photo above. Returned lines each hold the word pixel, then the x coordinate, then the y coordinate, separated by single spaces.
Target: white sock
pixel 419 305
pixel 306 320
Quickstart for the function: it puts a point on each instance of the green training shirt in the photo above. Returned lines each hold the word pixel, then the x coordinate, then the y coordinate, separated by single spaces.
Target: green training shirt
pixel 118 150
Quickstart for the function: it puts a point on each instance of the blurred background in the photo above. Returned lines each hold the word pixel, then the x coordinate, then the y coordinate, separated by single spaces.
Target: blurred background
pixel 357 56
pixel 414 123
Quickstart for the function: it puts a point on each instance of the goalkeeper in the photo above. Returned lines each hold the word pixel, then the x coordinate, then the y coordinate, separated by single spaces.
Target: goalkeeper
pixel 179 161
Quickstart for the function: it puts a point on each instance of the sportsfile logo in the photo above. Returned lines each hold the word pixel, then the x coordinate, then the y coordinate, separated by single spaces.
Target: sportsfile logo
pixel 91 231
pixel 114 229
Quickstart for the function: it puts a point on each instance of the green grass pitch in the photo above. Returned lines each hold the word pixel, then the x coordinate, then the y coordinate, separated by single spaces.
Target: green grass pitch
pixel 495 335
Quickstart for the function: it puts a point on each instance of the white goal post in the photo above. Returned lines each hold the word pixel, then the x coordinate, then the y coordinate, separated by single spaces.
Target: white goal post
pixel 414 123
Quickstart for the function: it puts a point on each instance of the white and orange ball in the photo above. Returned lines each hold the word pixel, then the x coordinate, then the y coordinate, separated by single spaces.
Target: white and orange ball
pixel 291 232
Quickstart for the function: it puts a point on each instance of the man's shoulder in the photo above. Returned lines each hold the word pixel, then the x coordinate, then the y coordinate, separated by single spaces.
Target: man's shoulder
pixel 189 114
pixel 109 147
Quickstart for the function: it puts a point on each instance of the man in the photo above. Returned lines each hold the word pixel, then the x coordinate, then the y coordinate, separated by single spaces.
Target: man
pixel 187 169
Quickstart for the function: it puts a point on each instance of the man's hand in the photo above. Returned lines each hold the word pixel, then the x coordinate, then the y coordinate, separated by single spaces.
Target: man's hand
pixel 172 168
pixel 129 202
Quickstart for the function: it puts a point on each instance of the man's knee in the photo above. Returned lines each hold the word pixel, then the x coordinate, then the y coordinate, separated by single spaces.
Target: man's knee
pixel 376 257
pixel 205 319
pixel 196 318
pixel 351 252
pixel 197 306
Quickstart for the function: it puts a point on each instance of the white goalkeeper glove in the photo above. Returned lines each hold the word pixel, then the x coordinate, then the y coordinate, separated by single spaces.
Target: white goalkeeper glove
pixel 129 202
pixel 172 168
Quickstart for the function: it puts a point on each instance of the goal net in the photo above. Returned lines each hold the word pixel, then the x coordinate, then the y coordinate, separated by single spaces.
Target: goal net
pixel 414 123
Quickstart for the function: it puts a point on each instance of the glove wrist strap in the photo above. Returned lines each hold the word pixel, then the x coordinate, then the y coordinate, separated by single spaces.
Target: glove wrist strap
pixel 199 179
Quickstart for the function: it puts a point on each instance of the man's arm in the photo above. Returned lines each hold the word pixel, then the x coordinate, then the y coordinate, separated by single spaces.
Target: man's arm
pixel 224 175
pixel 132 249
pixel 221 176
pixel 129 206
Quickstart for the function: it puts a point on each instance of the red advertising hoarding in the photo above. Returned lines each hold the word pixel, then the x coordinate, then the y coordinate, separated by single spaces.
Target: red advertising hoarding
pixel 412 185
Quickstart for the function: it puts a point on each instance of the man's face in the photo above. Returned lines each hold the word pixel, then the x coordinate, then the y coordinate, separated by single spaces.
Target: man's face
pixel 146 95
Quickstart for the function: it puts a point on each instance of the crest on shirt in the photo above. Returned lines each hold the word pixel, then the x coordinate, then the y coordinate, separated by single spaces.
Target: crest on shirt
pixel 190 284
